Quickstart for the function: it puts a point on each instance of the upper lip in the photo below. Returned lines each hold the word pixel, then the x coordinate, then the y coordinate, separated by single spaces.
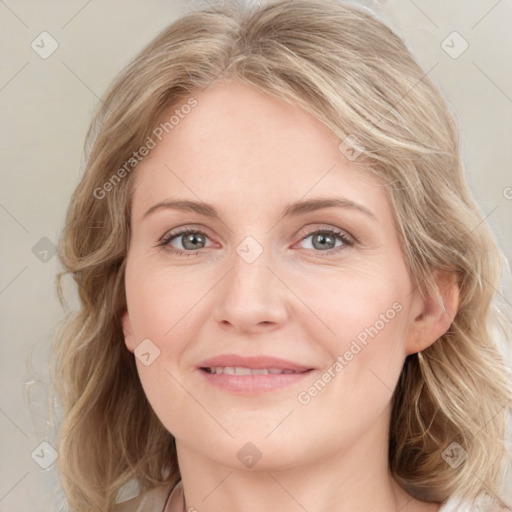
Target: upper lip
pixel 260 362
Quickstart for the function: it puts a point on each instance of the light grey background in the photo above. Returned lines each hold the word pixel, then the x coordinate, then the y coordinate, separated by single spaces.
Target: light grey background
pixel 45 108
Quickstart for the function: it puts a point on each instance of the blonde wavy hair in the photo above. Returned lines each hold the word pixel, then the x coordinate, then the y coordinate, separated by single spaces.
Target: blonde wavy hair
pixel 353 73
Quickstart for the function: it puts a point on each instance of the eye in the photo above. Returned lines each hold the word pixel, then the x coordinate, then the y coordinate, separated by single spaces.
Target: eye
pixel 191 240
pixel 324 240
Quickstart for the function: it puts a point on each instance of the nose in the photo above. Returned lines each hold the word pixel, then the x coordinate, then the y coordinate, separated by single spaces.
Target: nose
pixel 251 297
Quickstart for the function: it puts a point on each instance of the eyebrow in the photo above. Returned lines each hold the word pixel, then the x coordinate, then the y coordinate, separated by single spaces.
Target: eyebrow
pixel 293 209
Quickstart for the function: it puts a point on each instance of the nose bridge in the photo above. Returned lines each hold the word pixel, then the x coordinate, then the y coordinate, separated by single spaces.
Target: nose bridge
pixel 251 294
pixel 250 275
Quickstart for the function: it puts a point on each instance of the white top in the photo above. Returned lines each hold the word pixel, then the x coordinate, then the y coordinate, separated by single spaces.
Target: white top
pixel 158 499
pixel 452 506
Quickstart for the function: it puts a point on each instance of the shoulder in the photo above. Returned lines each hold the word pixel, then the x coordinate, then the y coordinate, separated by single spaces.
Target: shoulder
pixel 454 506
pixel 150 501
pixel 484 503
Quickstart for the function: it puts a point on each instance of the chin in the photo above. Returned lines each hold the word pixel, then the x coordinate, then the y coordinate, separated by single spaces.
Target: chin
pixel 256 453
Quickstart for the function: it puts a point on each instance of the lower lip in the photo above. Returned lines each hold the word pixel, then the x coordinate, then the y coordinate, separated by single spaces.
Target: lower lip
pixel 253 384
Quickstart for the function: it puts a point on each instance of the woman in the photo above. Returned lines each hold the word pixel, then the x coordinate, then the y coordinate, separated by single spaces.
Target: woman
pixel 286 288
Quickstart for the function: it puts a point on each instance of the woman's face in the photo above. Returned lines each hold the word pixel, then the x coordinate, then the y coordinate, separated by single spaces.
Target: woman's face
pixel 267 280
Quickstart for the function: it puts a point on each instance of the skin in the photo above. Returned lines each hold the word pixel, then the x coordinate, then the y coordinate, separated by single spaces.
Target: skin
pixel 250 155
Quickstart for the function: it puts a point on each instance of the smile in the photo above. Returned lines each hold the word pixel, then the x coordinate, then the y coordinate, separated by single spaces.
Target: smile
pixel 240 380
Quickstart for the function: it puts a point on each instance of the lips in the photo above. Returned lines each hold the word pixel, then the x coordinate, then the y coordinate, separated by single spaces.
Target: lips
pixel 232 364
pixel 252 375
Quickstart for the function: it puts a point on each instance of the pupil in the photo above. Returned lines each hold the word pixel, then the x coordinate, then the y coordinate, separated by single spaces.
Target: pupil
pixel 322 239
pixel 192 238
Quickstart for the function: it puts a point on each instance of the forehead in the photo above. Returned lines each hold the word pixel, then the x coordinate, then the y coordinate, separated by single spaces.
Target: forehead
pixel 239 146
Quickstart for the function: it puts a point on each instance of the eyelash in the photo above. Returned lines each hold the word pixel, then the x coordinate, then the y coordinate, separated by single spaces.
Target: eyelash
pixel 347 240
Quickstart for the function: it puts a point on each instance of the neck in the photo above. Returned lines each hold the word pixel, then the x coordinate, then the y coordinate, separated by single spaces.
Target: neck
pixel 356 479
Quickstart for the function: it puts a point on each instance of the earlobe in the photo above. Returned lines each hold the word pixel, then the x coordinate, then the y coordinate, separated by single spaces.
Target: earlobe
pixel 127 331
pixel 437 313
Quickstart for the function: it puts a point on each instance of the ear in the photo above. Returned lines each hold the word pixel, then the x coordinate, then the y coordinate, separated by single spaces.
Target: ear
pixel 434 313
pixel 127 331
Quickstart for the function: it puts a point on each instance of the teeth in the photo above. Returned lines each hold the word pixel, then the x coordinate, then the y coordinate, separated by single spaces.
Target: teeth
pixel 242 371
pixel 238 370
pixel 262 371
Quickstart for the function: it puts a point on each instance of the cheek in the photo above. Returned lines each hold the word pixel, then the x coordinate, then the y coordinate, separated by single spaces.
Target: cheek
pixel 161 306
pixel 367 319
pixel 354 302
pixel 364 361
pixel 159 301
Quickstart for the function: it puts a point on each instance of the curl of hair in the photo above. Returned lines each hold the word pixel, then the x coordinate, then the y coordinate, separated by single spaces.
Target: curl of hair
pixel 355 75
